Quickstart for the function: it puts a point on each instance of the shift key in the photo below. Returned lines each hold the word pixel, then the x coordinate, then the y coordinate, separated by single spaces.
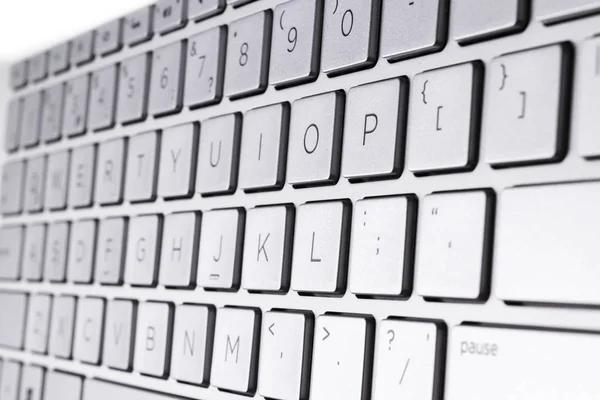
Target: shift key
pixel 519 364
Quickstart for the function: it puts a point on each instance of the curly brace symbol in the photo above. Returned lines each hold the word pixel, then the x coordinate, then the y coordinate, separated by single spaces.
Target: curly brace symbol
pixel 423 92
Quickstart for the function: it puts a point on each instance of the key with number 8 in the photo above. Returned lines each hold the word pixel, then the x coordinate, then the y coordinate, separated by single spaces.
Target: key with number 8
pixel 204 68
pixel 296 45
pixel 248 55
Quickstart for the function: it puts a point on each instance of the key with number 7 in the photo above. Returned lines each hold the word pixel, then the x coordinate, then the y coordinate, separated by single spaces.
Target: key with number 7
pixel 205 68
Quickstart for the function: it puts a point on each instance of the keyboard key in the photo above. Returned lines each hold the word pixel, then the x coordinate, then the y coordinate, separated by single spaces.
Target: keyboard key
pixel 132 104
pixel 142 167
pixel 13 177
pixel 179 262
pixel 61 386
pixel 166 82
pixel 88 330
pixel 137 26
pixel 143 253
pixel 316 140
pixel 321 247
pixel 192 344
pixel 585 117
pixel 343 357
pixel 350 35
pixel 38 67
pixel 82 48
pixel 118 334
pixel 13 124
pixel 374 130
pixel 59 58
pixel 11 380
pixel 110 256
pixel 61 327
pixel 57 180
pixel 268 248
pixel 413 28
pixel 532 364
pixel 153 339
pixel 110 172
pixel 383 235
pixel 75 106
pixel 169 15
pixel 103 98
pixel 32 382
pixel 248 50
pixel 548 260
pixel 55 258
pixel 81 180
pixel 38 323
pixel 553 11
pixel 178 152
pixel 205 66
pixel 286 347
pixel 220 252
pixel 235 361
pixel 202 9
pixel 238 3
pixel 264 148
pixel 18 74
pixel 102 390
pixel 34 184
pixel 527 104
pixel 454 245
pixel 11 242
pixel 33 252
pixel 82 249
pixel 13 308
pixel 475 20
pixel 109 37
pixel 445 116
pixel 410 360
pixel 51 127
pixel 218 155
pixel 31 119
pixel 296 42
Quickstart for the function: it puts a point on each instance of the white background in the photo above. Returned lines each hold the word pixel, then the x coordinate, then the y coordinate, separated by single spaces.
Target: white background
pixel 32 25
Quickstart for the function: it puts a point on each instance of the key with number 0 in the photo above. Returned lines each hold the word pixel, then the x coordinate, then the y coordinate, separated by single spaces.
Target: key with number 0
pixel 350 35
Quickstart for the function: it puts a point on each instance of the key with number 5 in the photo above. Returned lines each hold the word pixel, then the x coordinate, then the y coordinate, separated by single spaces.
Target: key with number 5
pixel 204 67
pixel 248 48
pixel 296 42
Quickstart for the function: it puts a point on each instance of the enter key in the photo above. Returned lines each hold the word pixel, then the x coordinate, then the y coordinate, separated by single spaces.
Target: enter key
pixel 520 364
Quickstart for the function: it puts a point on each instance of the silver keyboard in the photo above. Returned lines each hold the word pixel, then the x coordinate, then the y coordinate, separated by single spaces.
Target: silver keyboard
pixel 306 199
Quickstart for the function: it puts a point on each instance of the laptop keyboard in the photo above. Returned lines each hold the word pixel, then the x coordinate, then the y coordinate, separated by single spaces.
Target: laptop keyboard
pixel 306 199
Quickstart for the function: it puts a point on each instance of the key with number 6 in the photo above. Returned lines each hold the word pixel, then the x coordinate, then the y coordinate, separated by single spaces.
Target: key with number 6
pixel 167 77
